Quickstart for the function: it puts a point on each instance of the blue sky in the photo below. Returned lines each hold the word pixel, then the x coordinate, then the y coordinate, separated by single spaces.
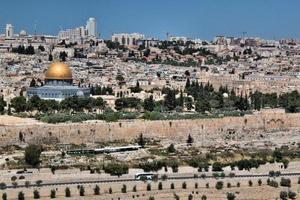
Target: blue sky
pixel 273 19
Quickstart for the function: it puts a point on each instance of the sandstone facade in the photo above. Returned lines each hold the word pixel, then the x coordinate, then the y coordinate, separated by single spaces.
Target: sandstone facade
pixel 200 129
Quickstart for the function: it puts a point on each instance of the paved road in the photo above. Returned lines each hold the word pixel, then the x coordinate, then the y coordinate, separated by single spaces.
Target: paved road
pixel 119 180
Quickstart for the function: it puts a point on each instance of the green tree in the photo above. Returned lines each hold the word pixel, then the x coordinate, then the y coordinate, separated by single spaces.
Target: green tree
pixel 283 195
pixel 19 104
pixel 97 190
pixel 32 154
pixel 36 194
pixel 50 58
pixel 184 185
pixel 124 189
pixel 67 192
pixel 2 105
pixel 141 141
pixel 21 196
pixel 149 104
pixel 202 106
pixel 116 169
pixel 259 182
pixel 170 100
pixel 291 194
pixel 171 148
pixel 190 140
pixel 63 55
pixel 230 196
pixel 160 186
pixel 4 196
pixel 219 185
pixel 148 187
pixel 120 78
pixel 53 194
pixel 81 190
pixel 172 186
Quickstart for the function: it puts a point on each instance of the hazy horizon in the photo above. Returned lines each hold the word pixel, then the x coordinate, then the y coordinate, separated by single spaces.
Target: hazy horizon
pixel 204 19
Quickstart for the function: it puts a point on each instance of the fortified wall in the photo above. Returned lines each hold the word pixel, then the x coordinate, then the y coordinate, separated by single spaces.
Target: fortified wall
pixel 200 129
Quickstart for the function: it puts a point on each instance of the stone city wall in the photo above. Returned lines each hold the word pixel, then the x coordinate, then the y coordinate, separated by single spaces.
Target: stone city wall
pixel 200 129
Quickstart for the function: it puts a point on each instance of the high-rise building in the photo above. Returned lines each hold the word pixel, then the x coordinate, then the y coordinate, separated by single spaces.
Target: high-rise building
pixel 91 27
pixel 81 33
pixel 9 31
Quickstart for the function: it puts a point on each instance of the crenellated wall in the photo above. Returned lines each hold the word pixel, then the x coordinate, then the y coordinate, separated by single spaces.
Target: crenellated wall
pixel 201 129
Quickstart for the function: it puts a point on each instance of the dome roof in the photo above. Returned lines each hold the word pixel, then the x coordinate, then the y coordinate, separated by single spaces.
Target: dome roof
pixel 58 71
pixel 23 33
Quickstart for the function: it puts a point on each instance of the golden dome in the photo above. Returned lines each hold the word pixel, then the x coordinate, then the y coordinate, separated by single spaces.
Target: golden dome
pixel 58 71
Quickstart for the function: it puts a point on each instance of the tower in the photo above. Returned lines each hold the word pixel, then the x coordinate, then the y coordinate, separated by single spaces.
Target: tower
pixel 91 27
pixel 9 31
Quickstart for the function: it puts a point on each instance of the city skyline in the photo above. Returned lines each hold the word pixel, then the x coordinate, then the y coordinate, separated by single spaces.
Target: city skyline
pixel 195 19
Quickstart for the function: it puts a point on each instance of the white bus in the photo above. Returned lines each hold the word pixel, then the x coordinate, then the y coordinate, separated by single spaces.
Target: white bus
pixel 144 176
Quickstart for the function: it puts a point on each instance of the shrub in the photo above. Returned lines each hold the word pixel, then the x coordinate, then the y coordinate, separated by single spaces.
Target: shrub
pixel 219 185
pixel 116 169
pixel 15 184
pixel 203 197
pixel 238 184
pixel 32 154
pixel 217 166
pixel 36 194
pixel 283 195
pixel 222 175
pixel 67 192
pixel 160 186
pixel 207 185
pixel 39 182
pixel 13 178
pixel 27 184
pixel 164 177
pixel 97 190
pixel 3 186
pixel 291 194
pixel 230 196
pixel 190 197
pixel 53 194
pixel 285 182
pixel 285 163
pixel 273 183
pixel 171 148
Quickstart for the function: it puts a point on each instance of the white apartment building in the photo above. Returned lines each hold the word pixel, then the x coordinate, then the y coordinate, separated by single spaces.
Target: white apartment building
pixel 127 39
